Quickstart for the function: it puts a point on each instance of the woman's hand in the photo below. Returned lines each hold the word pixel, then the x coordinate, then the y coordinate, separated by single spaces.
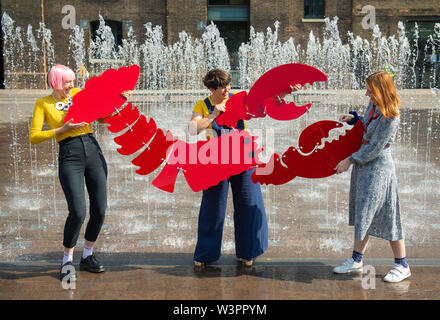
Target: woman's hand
pixel 346 117
pixel 220 107
pixel 69 126
pixel 343 166
pixel 292 88
pixel 127 94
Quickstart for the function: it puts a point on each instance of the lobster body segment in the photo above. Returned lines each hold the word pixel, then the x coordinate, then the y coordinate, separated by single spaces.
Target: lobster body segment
pixel 102 95
pixel 261 98
pixel 206 163
pixel 123 119
pixel 137 136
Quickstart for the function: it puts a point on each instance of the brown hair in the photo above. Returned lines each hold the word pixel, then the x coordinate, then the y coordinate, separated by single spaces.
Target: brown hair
pixel 382 88
pixel 216 78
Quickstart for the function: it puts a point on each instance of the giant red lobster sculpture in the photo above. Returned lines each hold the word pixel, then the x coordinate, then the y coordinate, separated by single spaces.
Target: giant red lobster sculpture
pixel 206 163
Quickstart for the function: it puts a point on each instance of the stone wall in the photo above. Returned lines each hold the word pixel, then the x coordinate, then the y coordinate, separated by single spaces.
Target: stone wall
pixel 290 14
pixel 183 15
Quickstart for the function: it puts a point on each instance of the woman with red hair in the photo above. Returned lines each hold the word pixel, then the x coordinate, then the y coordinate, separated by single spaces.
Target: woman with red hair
pixel 80 159
pixel 374 201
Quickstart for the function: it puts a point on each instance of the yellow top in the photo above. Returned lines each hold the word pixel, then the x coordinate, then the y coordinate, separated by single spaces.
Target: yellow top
pixel 45 111
pixel 202 109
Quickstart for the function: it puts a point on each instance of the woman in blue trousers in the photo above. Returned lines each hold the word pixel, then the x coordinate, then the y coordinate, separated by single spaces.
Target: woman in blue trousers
pixel 250 221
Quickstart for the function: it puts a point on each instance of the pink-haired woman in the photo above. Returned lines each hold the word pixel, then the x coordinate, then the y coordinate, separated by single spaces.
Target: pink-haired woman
pixel 80 159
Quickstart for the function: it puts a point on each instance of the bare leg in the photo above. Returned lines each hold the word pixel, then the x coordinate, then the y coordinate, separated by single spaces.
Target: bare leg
pixel 361 245
pixel 398 247
pixel 351 265
pixel 399 272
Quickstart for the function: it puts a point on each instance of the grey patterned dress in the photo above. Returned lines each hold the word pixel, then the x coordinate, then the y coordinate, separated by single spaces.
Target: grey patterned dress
pixel 374 201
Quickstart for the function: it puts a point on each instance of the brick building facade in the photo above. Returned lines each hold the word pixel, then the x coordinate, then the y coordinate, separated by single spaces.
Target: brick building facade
pixel 233 17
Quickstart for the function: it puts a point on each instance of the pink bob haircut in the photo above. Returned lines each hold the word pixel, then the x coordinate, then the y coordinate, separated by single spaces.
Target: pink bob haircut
pixel 58 74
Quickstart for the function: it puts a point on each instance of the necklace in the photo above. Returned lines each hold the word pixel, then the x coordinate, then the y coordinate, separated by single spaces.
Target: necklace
pixel 214 100
pixel 60 105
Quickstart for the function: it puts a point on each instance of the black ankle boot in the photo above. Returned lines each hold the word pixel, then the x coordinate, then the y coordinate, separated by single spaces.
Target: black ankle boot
pixel 91 264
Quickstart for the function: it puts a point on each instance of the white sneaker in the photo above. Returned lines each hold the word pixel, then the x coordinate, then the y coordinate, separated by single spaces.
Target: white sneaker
pixel 348 266
pixel 397 274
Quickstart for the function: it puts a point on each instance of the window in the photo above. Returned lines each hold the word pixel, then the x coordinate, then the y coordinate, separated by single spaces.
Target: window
pixel 314 9
pixel 2 71
pixel 228 2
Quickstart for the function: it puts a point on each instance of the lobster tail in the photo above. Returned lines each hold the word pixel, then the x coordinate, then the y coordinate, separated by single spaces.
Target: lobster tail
pixel 206 163
pixel 137 136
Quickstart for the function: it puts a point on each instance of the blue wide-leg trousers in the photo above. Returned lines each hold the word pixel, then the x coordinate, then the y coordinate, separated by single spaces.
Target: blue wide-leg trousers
pixel 250 222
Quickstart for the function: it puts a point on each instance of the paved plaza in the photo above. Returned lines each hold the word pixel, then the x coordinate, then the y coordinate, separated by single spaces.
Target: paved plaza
pixel 149 236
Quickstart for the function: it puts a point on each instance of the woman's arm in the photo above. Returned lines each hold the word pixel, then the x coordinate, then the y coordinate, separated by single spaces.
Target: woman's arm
pixel 384 131
pixel 36 134
pixel 198 123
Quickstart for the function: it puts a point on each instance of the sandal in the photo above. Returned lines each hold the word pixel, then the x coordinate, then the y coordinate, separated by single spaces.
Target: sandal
pixel 199 265
pixel 246 263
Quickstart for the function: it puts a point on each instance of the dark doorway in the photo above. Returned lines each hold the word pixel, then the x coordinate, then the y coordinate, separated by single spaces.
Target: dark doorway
pixel 116 27
pixel 232 20
pixel 234 33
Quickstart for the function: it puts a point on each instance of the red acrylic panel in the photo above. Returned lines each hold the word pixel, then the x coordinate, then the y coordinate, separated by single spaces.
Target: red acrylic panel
pixel 319 163
pixel 206 163
pixel 123 119
pixel 234 110
pixel 155 153
pixel 273 172
pixel 275 81
pixel 137 136
pixel 283 111
pixel 312 136
pixel 102 95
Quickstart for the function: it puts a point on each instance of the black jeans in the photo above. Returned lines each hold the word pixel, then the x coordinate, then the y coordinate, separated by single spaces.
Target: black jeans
pixel 80 158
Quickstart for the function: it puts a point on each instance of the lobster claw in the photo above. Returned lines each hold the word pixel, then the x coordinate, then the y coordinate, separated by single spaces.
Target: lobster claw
pixel 280 110
pixel 261 99
pixel 318 162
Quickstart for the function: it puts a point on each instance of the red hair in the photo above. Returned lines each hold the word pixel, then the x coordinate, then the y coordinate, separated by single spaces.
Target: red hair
pixel 58 74
pixel 382 88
